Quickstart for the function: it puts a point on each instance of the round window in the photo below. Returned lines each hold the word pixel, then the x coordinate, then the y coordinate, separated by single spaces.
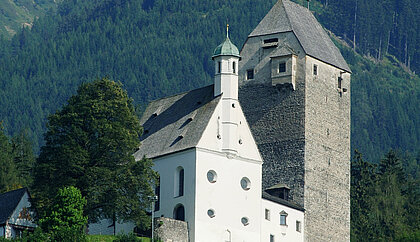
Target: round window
pixel 245 183
pixel 211 176
pixel 245 221
pixel 211 213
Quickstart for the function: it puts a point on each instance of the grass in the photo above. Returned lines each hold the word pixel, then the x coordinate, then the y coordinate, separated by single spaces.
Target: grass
pixel 110 238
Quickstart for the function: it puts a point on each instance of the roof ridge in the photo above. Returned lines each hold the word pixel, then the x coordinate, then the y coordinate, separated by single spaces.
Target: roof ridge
pixel 178 94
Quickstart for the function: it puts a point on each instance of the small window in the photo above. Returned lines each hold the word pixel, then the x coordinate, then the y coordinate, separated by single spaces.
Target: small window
pixel 272 238
pixel 250 74
pixel 267 214
pixel 273 40
pixel 283 216
pixel 211 176
pixel 219 67
pixel 282 67
pixel 211 213
pixel 315 70
pixel 234 67
pixel 245 221
pixel 298 226
pixel 340 79
pixel 245 183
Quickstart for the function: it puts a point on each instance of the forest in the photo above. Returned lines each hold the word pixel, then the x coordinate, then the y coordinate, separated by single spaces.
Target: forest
pixel 158 48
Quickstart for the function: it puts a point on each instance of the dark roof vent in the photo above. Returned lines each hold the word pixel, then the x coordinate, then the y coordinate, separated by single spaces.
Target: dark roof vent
pixel 279 190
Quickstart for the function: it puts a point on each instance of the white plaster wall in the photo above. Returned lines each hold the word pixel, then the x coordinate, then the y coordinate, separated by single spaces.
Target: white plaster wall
pixel 166 167
pixel 248 149
pixel 227 198
pixel 103 227
pixel 226 81
pixel 281 232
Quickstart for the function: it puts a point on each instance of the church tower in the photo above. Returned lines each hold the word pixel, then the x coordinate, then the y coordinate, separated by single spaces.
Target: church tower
pixel 294 88
pixel 226 59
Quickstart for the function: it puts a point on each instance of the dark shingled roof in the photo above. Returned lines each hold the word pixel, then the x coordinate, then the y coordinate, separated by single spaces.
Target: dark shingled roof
pixel 9 202
pixel 176 123
pixel 281 201
pixel 287 16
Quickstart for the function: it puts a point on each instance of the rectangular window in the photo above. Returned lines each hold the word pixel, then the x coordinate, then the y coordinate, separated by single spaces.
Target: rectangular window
pixel 273 40
pixel 234 67
pixel 157 192
pixel 298 226
pixel 271 238
pixel 315 70
pixel 267 214
pixel 282 67
pixel 250 74
pixel 283 219
pixel 219 67
pixel 181 182
pixel 340 79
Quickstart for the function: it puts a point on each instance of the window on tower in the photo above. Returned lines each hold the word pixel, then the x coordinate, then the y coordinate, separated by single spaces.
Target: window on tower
pixel 234 67
pixel 219 67
pixel 250 74
pixel 282 67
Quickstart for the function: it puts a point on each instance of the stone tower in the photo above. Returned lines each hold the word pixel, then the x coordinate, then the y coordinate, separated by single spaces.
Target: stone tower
pixel 294 87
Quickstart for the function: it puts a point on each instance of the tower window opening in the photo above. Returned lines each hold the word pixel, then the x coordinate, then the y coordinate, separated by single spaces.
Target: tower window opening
pixel 234 67
pixel 282 67
pixel 250 74
pixel 315 70
pixel 267 214
pixel 273 40
pixel 340 79
pixel 272 238
pixel 219 67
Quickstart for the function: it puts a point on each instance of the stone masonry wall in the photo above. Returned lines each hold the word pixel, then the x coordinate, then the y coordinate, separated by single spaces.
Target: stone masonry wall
pixel 171 230
pixel 327 154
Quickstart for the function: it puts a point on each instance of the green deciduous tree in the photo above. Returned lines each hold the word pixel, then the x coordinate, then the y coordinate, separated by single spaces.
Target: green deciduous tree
pixel 65 217
pixel 89 145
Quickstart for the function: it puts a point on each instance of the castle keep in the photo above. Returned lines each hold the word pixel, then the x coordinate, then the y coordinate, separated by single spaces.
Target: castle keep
pixel 295 93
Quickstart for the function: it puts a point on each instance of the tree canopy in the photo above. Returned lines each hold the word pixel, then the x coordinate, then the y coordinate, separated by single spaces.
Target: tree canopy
pixel 89 145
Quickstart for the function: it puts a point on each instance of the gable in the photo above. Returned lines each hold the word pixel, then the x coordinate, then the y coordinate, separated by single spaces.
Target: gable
pixel 287 16
pixel 8 203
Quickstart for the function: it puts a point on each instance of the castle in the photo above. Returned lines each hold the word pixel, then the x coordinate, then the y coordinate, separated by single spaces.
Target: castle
pixel 263 154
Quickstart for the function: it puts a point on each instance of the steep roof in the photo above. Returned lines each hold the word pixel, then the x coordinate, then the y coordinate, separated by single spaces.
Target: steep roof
pixel 176 123
pixel 286 16
pixel 9 202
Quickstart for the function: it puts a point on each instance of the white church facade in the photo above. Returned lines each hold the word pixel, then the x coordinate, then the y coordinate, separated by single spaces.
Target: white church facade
pixel 234 169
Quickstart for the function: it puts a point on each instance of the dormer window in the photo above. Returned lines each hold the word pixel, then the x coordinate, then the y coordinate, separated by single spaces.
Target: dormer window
pixel 270 43
pixel 282 67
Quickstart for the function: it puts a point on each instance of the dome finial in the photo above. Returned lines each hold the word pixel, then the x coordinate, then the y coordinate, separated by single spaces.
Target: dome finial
pixel 227 31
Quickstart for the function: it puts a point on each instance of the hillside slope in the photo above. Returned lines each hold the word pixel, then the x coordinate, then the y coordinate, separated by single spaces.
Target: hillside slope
pixel 15 14
pixel 161 47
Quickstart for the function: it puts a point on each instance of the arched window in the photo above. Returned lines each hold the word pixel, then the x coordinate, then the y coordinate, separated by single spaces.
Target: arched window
pixel 179 182
pixel 179 212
